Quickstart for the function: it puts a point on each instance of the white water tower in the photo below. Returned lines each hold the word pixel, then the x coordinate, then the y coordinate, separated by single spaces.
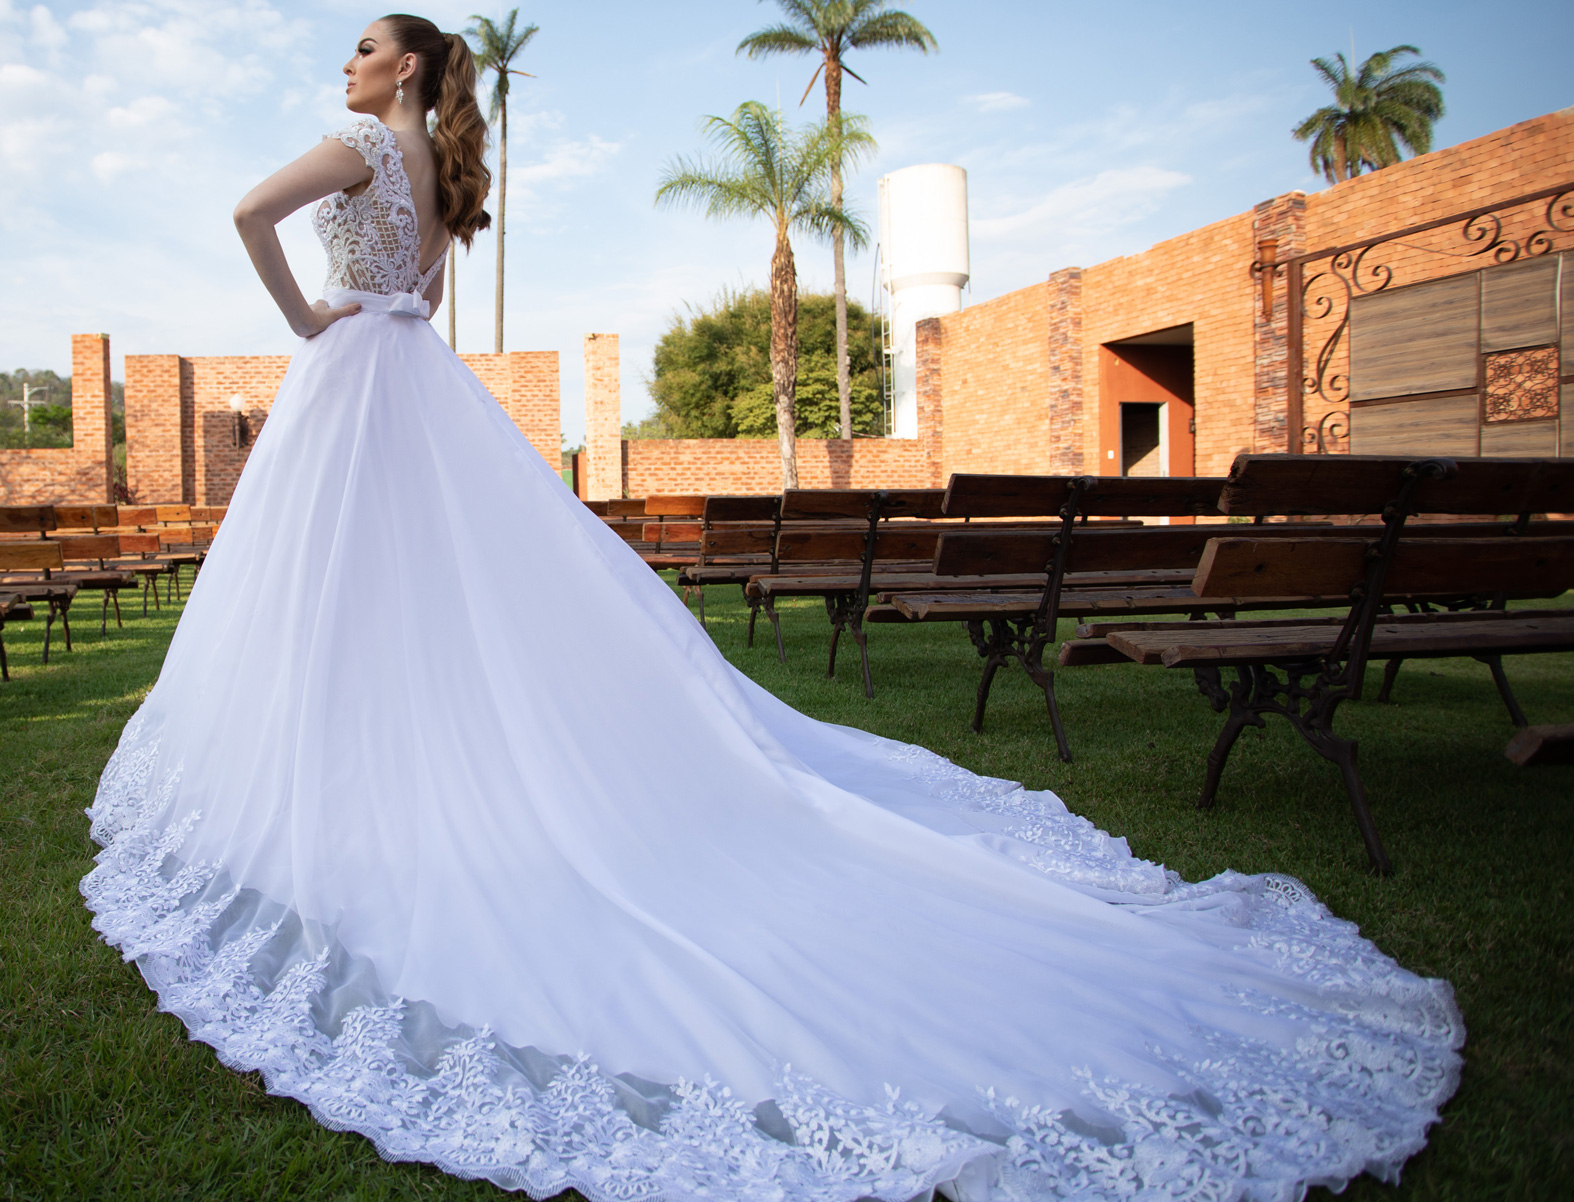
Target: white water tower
pixel 923 268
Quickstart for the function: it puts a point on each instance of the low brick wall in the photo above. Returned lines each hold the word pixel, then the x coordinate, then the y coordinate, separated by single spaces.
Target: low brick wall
pixel 82 472
pixel 754 465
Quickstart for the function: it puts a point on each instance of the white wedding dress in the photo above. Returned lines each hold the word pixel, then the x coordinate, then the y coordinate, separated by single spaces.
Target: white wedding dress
pixel 448 818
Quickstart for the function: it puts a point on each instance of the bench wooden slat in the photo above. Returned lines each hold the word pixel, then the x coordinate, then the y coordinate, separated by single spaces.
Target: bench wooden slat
pixel 1537 745
pixel 1243 566
pixel 1322 484
pixel 136 515
pixel 979 496
pixel 89 546
pixel 855 502
pixel 1204 644
pixel 741 509
pixel 890 543
pixel 979 552
pixel 662 532
pixel 26 519
pixel 30 556
pixel 84 517
pixel 626 507
pixel 675 506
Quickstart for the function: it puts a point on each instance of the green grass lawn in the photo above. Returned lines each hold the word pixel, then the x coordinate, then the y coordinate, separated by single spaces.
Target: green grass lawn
pixel 102 1096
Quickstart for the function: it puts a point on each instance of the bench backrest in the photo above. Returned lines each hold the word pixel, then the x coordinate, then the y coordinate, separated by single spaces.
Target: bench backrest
pixel 982 552
pixel 626 507
pixel 675 506
pixel 741 509
pixel 1360 484
pixel 894 542
pixel 1331 566
pixel 971 495
pixel 26 519
pixel 85 517
pixel 798 503
pixel 30 555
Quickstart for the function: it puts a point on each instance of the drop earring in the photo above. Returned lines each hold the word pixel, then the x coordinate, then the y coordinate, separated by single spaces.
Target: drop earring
pixel 399 91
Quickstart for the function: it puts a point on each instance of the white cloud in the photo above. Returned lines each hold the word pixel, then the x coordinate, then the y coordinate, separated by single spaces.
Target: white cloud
pixel 574 159
pixel 111 163
pixel 46 31
pixel 997 102
pixel 1098 202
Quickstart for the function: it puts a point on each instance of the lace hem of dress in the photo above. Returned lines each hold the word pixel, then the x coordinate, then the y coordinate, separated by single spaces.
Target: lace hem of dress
pixel 279 996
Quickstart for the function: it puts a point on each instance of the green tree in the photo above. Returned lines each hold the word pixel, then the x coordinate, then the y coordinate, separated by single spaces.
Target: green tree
pixel 766 169
pixel 830 28
pixel 496 45
pixel 1374 110
pixel 712 372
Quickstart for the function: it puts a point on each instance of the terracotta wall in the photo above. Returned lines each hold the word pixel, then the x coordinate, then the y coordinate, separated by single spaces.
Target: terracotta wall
pixel 180 428
pixel 81 472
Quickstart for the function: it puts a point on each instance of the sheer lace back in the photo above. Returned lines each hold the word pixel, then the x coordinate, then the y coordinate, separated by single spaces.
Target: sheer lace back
pixel 373 240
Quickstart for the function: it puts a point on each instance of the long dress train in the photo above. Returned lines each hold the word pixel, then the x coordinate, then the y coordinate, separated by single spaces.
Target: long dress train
pixel 390 830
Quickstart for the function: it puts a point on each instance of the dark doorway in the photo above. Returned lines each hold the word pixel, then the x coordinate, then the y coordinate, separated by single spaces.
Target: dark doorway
pixel 1140 442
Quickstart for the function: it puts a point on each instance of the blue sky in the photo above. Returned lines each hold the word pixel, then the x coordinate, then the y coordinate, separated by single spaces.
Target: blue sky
pixel 128 129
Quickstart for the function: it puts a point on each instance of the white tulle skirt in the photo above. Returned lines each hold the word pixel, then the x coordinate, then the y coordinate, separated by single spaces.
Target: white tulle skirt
pixel 446 816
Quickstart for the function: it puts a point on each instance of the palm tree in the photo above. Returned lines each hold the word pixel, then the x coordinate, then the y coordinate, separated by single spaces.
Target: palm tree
pixel 766 169
pixel 830 28
pixel 1373 110
pixel 495 47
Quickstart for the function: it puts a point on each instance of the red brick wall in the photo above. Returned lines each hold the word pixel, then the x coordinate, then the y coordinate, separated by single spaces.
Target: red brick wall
pixel 754 465
pixel 180 432
pixel 81 472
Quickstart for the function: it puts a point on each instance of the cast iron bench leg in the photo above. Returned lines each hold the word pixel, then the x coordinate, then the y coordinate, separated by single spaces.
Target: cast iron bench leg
pixel 115 596
pixel 863 648
pixel 1495 663
pixel 65 621
pixel 5 670
pixel 701 594
pixel 776 624
pixel 1241 716
pixel 1390 674
pixel 1342 752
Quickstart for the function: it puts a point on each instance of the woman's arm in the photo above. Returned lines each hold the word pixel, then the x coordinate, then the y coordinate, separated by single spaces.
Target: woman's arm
pixel 329 167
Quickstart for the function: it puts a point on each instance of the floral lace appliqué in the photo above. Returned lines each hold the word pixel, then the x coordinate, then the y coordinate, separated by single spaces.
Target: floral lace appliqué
pixel 252 979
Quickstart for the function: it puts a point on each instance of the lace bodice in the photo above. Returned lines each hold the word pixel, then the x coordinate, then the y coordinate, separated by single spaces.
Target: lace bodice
pixel 373 240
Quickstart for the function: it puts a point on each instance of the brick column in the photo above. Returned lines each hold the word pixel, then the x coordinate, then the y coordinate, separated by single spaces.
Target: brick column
pixel 603 418
pixel 1281 221
pixel 155 442
pixel 91 431
pixel 929 353
pixel 1068 452
pixel 534 402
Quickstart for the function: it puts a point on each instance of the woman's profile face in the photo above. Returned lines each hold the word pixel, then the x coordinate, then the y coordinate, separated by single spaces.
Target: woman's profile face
pixel 374 70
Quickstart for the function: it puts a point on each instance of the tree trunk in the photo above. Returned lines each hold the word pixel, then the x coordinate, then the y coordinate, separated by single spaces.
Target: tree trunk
pixel 502 206
pixel 784 355
pixel 452 345
pixel 833 112
pixel 1341 159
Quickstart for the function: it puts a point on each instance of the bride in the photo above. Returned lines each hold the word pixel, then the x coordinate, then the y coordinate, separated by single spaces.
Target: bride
pixel 387 831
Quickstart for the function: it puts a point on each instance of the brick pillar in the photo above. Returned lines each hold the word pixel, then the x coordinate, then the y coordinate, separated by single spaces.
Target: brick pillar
pixel 1068 452
pixel 534 403
pixel 1282 222
pixel 155 443
pixel 91 431
pixel 930 346
pixel 603 418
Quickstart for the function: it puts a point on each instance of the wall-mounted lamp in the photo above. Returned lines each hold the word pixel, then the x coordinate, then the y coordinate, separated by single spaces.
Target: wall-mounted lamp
pixel 242 427
pixel 1265 268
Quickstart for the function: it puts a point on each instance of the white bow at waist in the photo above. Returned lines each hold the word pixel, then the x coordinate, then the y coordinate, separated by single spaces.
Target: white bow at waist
pixel 406 304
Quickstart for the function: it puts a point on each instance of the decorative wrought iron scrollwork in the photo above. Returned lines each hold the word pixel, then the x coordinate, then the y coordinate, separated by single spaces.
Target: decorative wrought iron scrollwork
pixel 1322 439
pixel 1330 280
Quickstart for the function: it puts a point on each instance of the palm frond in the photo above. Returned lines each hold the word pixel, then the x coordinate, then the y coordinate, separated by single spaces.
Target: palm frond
pixel 777 39
pixel 892 27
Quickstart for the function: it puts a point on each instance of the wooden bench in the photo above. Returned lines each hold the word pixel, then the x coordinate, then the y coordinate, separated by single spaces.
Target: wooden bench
pixel 26 570
pixel 737 540
pixel 831 544
pixel 1022 580
pixel 1302 670
pixel 671 531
